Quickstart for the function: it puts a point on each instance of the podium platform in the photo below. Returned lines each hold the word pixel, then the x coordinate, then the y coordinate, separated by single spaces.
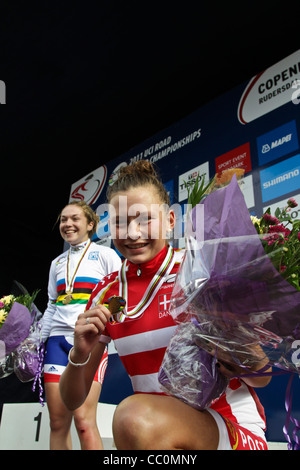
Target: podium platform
pixel 25 426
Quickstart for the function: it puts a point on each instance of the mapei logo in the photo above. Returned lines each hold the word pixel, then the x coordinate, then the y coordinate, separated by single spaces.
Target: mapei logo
pixel 2 92
pixel 265 148
pixel 278 142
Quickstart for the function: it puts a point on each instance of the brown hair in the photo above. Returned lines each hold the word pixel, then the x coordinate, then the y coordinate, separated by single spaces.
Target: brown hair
pixel 140 173
pixel 90 215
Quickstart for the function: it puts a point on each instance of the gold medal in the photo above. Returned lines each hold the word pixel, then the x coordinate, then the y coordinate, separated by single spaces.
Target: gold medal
pixel 67 299
pixel 115 304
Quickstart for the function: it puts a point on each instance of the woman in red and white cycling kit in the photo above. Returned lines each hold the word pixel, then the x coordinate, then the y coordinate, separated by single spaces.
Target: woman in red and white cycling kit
pixel 149 419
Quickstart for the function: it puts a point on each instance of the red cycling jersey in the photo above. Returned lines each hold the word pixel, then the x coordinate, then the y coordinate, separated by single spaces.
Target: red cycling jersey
pixel 141 340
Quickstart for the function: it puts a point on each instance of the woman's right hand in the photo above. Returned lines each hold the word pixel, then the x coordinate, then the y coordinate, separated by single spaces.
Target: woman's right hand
pixel 88 329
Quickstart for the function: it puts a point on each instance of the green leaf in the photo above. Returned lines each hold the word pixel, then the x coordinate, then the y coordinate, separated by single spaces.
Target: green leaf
pixel 198 191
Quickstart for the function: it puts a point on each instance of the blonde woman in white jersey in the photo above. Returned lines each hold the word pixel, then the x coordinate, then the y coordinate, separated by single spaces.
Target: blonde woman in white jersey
pixel 73 276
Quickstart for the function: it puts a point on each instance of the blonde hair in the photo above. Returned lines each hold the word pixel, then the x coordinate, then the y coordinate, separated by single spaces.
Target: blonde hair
pixel 140 173
pixel 90 215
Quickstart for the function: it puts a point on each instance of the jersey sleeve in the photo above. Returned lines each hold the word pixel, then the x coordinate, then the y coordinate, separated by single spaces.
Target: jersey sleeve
pixel 102 289
pixel 97 297
pixel 113 261
pixel 51 306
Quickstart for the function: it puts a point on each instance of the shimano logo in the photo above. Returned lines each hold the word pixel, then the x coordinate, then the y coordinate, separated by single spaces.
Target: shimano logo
pixel 280 179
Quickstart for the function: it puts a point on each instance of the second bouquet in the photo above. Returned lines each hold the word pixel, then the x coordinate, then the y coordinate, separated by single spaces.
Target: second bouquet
pixel 237 306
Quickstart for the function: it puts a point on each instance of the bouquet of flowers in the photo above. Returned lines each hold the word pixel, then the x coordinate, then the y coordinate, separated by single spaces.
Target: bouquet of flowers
pixel 18 336
pixel 16 318
pixel 238 287
pixel 280 236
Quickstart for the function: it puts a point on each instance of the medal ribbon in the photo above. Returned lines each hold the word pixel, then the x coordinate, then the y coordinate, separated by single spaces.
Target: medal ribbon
pixel 152 288
pixel 69 290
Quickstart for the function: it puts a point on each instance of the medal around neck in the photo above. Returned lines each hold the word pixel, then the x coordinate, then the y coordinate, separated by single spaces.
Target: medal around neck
pixel 68 298
pixel 69 285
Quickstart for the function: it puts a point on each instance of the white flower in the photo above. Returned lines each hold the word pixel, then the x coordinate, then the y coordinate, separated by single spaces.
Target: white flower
pixel 254 219
pixel 3 315
pixel 7 299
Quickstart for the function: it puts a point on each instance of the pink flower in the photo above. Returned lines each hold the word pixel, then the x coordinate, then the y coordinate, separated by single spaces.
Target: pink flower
pixel 292 203
pixel 299 236
pixel 270 219
pixel 280 228
pixel 278 232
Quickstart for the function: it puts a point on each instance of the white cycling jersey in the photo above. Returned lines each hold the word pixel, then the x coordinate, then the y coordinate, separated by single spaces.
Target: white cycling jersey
pixel 77 270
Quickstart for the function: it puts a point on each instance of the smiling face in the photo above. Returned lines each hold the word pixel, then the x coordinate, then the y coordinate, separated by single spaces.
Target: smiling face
pixel 74 227
pixel 140 223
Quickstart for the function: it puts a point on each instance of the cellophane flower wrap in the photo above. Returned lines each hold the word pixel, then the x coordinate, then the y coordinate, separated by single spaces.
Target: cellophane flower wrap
pixel 20 337
pixel 229 290
pixel 27 356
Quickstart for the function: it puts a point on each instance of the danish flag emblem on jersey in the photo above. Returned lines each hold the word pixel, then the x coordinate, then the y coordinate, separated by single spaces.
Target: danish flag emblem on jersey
pixel 164 302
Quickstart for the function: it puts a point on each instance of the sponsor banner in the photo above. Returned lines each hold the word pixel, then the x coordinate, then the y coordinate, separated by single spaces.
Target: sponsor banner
pixel 280 179
pixel 293 212
pixel 270 89
pixel 236 158
pixel 189 179
pixel 278 142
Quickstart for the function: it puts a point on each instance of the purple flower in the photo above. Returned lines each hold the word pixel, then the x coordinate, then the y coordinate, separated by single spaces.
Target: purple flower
pixel 299 236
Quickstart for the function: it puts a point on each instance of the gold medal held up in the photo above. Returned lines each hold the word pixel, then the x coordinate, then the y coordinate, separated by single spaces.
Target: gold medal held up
pixel 115 304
